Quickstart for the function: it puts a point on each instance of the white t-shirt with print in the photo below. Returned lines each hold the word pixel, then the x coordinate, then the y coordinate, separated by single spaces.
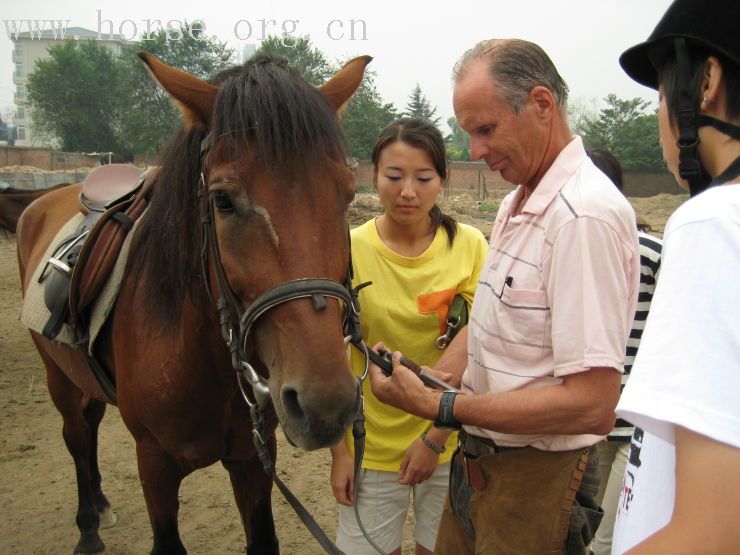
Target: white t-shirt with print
pixel 687 371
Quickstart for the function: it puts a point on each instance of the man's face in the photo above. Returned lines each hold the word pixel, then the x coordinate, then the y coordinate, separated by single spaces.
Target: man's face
pixel 509 143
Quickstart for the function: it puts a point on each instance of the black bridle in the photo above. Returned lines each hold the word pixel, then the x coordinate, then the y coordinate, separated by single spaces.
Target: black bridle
pixel 253 387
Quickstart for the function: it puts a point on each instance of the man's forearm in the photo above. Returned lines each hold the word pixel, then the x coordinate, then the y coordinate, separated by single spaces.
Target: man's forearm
pixel 455 358
pixel 583 404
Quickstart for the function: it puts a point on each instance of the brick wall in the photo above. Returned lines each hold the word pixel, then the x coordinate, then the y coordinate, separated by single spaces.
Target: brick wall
pixel 473 176
pixel 650 184
pixel 463 175
pixel 44 158
pixel 145 160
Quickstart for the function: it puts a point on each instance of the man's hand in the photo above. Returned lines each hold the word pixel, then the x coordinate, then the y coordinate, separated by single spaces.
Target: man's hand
pixel 403 389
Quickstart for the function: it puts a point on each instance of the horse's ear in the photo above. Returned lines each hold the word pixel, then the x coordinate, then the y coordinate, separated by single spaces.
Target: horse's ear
pixel 194 97
pixel 340 88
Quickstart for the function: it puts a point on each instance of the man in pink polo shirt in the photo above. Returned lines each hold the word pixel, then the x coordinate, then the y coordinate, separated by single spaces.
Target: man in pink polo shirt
pixel 540 361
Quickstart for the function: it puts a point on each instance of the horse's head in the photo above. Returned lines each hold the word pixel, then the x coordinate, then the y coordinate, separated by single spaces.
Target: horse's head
pixel 278 187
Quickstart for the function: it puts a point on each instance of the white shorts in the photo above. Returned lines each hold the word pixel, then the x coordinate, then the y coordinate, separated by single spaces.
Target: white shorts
pixel 383 506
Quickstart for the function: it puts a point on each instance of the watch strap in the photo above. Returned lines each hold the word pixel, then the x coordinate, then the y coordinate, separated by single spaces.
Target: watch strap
pixel 445 417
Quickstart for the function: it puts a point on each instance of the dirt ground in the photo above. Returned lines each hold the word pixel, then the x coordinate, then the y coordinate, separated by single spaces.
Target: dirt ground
pixel 37 483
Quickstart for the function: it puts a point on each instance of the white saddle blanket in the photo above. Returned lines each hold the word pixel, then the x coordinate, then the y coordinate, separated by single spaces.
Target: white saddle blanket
pixel 35 314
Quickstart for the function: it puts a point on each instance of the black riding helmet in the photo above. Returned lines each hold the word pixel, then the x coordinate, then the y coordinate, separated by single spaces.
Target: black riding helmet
pixel 710 25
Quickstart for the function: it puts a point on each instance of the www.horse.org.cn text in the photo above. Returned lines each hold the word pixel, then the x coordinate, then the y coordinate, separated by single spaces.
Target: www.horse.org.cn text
pixel 175 29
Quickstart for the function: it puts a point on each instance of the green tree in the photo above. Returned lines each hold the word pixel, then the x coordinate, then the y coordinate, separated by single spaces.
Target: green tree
pixel 580 112
pixel 75 97
pixel 150 116
pixel 629 130
pixel 419 106
pixel 366 116
pixel 458 142
pixel 301 54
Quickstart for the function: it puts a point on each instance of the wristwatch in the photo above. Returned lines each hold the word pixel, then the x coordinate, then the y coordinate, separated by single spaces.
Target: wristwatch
pixel 445 419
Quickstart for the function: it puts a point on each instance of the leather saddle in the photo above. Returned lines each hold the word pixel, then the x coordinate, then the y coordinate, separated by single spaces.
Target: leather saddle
pixel 112 198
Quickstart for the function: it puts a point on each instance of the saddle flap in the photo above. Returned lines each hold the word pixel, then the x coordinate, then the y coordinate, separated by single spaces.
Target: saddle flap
pixel 100 251
pixel 106 185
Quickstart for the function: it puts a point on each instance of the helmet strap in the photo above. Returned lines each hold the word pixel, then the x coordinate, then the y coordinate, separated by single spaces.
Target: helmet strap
pixel 723 126
pixel 689 165
pixel 730 173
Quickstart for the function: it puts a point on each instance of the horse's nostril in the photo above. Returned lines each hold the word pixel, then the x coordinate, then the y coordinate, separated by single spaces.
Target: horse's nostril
pixel 291 405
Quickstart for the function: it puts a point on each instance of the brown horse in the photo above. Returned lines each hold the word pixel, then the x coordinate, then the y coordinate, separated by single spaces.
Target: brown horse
pixel 265 151
pixel 14 201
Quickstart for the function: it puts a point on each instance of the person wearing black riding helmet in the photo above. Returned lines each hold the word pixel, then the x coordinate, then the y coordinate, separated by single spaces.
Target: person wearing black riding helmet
pixel 681 491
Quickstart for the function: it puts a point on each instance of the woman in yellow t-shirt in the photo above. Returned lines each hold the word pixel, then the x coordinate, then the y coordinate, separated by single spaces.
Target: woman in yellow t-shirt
pixel 418 259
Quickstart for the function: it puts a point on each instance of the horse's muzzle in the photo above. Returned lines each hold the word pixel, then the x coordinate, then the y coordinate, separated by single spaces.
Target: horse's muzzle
pixel 314 417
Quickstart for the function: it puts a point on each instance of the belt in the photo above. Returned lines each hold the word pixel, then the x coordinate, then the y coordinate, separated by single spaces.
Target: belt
pixel 472 447
pixel 476 446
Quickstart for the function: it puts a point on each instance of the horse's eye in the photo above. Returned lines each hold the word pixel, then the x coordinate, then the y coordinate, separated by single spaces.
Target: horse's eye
pixel 222 201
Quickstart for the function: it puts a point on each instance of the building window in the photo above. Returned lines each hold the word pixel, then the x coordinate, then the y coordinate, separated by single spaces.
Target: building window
pixel 20 91
pixel 18 49
pixel 20 133
pixel 20 112
pixel 18 70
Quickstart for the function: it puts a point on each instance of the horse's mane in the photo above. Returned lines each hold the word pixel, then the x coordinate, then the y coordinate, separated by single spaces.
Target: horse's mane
pixel 263 105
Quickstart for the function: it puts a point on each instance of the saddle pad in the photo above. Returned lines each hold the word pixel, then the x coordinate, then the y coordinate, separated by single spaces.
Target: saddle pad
pixel 34 313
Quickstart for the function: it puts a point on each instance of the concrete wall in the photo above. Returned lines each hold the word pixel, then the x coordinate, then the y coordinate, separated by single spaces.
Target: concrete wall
pixel 44 158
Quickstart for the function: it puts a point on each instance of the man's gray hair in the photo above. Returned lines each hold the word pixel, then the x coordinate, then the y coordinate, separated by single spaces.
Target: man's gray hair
pixel 516 66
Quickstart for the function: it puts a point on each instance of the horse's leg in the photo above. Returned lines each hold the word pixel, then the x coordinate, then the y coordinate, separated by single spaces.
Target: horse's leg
pixel 160 478
pixel 93 415
pixel 71 403
pixel 252 489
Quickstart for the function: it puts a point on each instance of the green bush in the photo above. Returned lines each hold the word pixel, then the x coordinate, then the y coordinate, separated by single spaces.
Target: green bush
pixel 488 207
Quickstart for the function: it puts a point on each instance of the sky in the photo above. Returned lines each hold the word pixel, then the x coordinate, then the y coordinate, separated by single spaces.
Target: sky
pixel 412 42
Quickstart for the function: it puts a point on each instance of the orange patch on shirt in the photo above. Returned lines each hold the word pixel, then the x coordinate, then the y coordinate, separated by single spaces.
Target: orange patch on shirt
pixel 438 302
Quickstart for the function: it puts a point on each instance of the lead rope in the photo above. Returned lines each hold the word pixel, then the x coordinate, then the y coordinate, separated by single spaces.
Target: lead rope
pixel 358 435
pixel 354 337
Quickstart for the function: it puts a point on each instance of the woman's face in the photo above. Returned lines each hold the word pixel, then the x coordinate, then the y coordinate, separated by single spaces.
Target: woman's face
pixel 668 139
pixel 408 184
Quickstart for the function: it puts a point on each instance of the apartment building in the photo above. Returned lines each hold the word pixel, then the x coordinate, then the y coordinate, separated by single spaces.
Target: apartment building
pixel 31 46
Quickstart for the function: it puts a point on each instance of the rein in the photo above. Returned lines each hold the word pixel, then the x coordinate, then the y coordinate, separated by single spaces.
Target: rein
pixel 253 387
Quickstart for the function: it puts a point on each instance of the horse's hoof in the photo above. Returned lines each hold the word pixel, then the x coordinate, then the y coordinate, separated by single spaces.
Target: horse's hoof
pixel 90 546
pixel 108 518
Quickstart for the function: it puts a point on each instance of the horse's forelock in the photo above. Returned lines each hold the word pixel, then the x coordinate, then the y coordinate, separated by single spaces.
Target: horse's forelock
pixel 286 122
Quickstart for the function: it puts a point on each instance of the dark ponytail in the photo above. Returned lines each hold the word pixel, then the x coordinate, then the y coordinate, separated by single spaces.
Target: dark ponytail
pixel 447 222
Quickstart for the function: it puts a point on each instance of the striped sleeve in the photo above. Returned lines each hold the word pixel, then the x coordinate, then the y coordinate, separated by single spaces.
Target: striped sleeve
pixel 650 250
